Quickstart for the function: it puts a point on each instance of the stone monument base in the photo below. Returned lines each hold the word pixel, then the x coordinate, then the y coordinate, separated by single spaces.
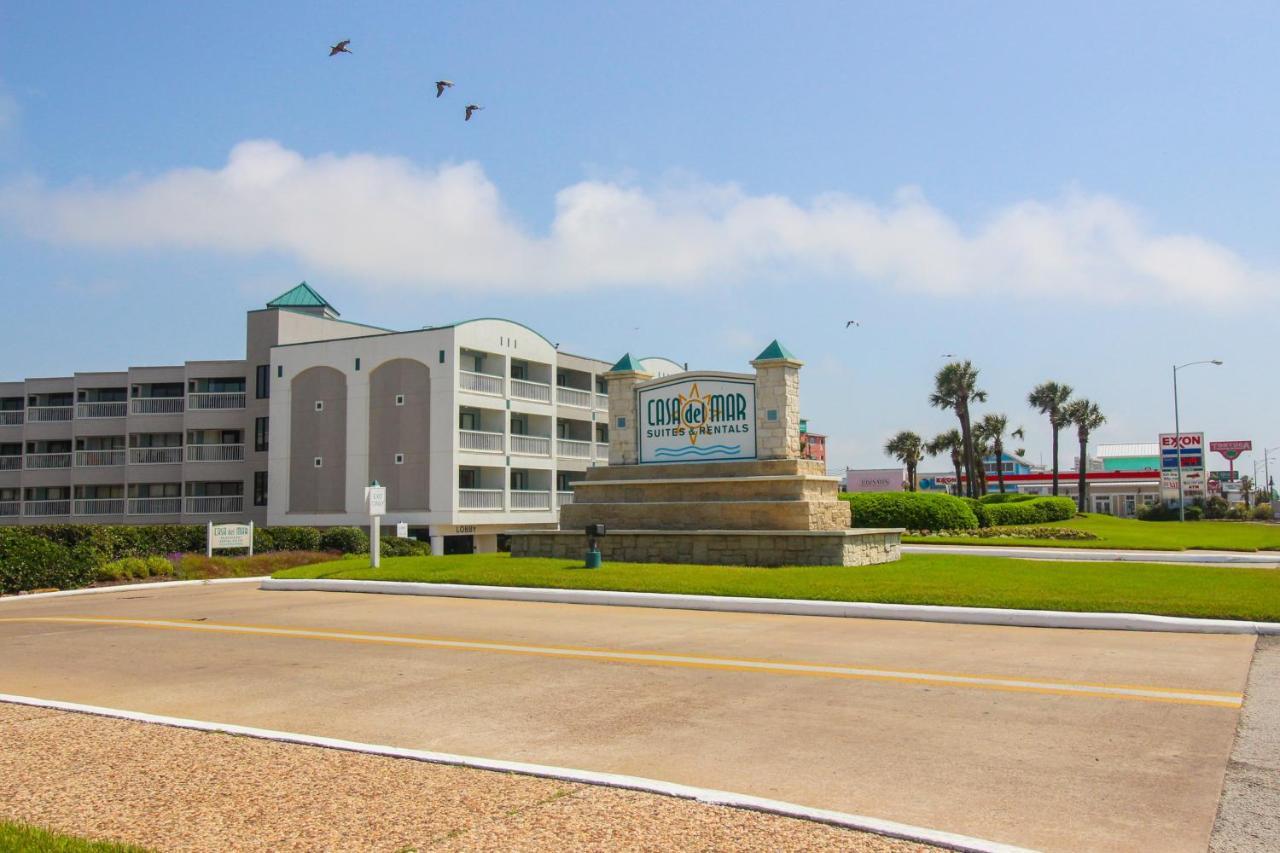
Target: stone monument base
pixel 858 547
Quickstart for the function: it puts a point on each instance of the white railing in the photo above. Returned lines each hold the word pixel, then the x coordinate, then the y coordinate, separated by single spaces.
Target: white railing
pixel 567 448
pixel 10 463
pixel 573 397
pixel 602 402
pixel 215 400
pixel 11 417
pixel 481 383
pixel 154 506
pixel 526 390
pixel 530 500
pixel 531 445
pixel 602 450
pixel 563 498
pixel 10 508
pixel 48 460
pixel 154 455
pixel 39 508
pixel 156 405
pixel 48 413
pixel 485 442
pixel 93 458
pixel 102 410
pixel 215 452
pixel 479 498
pixel 214 504
pixel 99 506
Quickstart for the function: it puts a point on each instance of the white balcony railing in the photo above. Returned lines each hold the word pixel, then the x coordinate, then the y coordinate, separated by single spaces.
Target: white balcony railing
pixel 479 498
pixel 480 383
pixel 527 500
pixel 526 390
pixel 11 417
pixel 156 405
pixel 205 400
pixel 48 460
pixel 154 455
pixel 42 414
pixel 485 442
pixel 10 463
pixel 99 506
pixel 563 498
pixel 573 397
pixel 602 451
pixel 215 504
pixel 94 458
pixel 9 509
pixel 567 448
pixel 102 410
pixel 154 506
pixel 44 508
pixel 531 445
pixel 602 402
pixel 215 452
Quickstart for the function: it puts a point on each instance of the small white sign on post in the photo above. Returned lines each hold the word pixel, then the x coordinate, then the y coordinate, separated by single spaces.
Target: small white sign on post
pixel 375 498
pixel 402 530
pixel 228 536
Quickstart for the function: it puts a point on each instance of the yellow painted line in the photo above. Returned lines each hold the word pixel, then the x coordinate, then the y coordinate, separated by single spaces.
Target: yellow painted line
pixel 986 682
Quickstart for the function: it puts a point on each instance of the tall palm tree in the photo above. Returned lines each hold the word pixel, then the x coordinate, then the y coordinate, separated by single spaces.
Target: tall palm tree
pixel 949 442
pixel 1087 417
pixel 907 448
pixel 955 387
pixel 1246 489
pixel 992 429
pixel 1050 398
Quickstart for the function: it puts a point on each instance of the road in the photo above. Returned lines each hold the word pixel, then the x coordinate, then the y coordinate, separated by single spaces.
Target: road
pixel 1052 739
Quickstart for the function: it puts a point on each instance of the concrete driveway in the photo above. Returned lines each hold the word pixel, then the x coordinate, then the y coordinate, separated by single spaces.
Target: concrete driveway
pixel 1052 739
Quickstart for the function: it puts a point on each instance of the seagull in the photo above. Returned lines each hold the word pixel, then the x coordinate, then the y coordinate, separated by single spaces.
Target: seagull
pixel 470 109
pixel 947 355
pixel 441 85
pixel 853 323
pixel 340 47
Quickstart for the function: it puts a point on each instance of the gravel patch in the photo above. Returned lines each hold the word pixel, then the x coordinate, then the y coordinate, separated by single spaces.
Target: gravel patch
pixel 181 790
pixel 1249 812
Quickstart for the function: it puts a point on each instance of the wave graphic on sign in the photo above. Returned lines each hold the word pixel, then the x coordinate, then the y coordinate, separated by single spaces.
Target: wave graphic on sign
pixel 694 450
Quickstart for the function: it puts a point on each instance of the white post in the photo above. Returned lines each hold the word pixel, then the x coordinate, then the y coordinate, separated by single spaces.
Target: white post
pixel 208 540
pixel 437 544
pixel 375 535
pixel 251 539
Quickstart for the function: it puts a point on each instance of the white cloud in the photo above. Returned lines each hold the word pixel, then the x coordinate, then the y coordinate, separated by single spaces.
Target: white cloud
pixel 392 222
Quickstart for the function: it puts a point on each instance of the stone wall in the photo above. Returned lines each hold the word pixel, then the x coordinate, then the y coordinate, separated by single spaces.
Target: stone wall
pixel 728 548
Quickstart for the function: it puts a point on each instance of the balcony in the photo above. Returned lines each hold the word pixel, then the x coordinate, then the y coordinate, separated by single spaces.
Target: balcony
pixel 154 455
pixel 523 389
pixel 156 405
pixel 46 414
pixel 10 463
pixel 567 448
pixel 102 410
pixel 602 451
pixel 96 458
pixel 602 402
pixel 11 417
pixel 490 499
pixel 99 506
pixel 10 509
pixel 573 397
pixel 563 498
pixel 207 400
pixel 530 445
pixel 480 383
pixel 37 509
pixel 529 500
pixel 215 452
pixel 214 504
pixel 48 460
pixel 483 442
pixel 154 506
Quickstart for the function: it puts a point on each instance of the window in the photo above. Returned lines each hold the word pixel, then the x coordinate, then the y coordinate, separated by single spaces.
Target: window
pixel 259 488
pixel 1130 504
pixel 261 433
pixel 519 480
pixel 1102 504
pixel 318 462
pixel 319 405
pixel 467 478
pixel 399 458
pixel 357 362
pixel 279 371
pixel 562 429
pixel 442 356
pixel 519 426
pixel 519 370
pixel 399 399
pixel 262 382
pixel 467 420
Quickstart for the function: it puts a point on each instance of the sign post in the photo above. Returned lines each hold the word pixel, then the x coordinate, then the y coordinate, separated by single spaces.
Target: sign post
pixel 1182 474
pixel 375 499
pixel 228 536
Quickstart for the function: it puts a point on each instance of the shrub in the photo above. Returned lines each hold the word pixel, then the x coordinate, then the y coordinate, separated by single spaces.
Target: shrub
pixel 1262 512
pixel 912 510
pixel 1215 507
pixel 1006 498
pixel 295 539
pixel 344 540
pixel 394 546
pixel 133 568
pixel 1162 512
pixel 1237 512
pixel 1032 532
pixel 1030 509
pixel 29 561
pixel 979 511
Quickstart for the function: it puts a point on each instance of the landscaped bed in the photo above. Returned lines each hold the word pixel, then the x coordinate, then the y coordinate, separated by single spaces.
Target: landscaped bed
pixel 1112 532
pixel 1226 592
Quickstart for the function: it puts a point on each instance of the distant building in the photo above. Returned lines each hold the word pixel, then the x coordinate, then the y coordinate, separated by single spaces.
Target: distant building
pixel 1125 457
pixel 1011 463
pixel 812 444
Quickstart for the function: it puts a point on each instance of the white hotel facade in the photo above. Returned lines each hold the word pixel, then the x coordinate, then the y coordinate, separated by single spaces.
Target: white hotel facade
pixel 475 428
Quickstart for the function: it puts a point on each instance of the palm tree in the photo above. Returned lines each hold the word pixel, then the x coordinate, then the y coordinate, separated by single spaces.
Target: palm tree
pixel 955 387
pixel 949 442
pixel 907 448
pixel 992 428
pixel 1246 488
pixel 1087 417
pixel 1050 398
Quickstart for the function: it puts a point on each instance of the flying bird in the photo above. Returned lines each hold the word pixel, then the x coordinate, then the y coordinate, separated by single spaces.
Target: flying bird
pixel 441 85
pixel 471 108
pixel 853 323
pixel 340 47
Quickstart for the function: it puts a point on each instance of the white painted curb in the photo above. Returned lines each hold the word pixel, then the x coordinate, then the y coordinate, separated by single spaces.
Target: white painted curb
pixel 794 607
pixel 1071 555
pixel 125 587
pixel 893 829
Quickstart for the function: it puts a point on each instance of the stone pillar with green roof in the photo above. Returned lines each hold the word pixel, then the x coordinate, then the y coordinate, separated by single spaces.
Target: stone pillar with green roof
pixel 777 403
pixel 623 378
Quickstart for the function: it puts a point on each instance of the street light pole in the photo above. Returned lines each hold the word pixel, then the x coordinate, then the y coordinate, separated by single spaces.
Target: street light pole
pixel 1177 430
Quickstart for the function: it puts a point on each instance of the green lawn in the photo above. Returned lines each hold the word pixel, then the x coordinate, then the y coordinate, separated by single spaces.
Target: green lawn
pixel 16 837
pixel 1146 535
pixel 968 581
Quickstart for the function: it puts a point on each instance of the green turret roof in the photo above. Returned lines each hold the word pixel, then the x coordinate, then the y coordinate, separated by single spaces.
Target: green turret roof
pixel 776 352
pixel 625 363
pixel 302 296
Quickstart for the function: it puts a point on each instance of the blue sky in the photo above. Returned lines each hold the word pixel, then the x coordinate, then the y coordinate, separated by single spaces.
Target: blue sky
pixel 1087 195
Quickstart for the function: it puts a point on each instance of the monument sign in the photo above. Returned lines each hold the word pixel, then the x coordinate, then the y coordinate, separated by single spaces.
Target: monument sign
pixel 697 417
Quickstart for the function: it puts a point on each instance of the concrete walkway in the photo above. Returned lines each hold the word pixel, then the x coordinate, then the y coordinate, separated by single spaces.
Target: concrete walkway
pixel 1265 559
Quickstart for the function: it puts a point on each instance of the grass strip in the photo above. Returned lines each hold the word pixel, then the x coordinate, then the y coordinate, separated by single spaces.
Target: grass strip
pixel 24 838
pixel 1131 533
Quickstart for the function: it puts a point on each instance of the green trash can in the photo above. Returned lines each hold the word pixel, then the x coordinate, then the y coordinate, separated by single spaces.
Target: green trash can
pixel 594 531
pixel 593 559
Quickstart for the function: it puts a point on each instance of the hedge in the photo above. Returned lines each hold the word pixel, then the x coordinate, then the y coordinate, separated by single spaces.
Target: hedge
pixel 1005 497
pixel 979 511
pixel 912 510
pixel 1037 510
pixel 31 562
